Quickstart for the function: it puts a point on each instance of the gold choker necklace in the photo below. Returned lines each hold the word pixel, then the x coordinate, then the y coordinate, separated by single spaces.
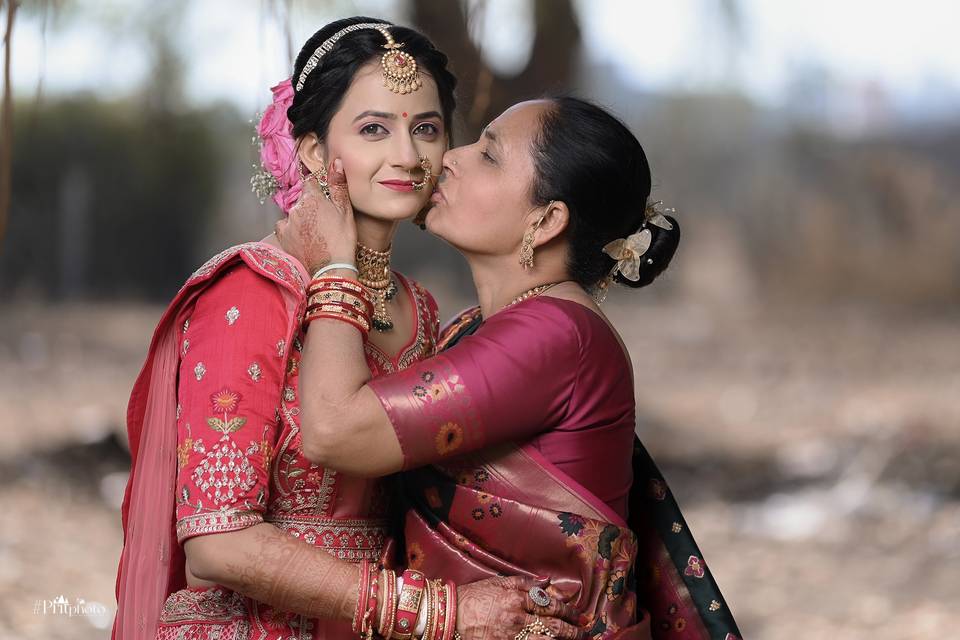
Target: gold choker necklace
pixel 374 267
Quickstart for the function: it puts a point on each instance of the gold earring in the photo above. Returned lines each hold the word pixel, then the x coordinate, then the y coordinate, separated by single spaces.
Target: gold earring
pixel 320 175
pixel 526 249
pixel 427 174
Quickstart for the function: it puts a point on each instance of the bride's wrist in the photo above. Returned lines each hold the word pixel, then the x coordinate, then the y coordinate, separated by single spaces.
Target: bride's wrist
pixel 337 268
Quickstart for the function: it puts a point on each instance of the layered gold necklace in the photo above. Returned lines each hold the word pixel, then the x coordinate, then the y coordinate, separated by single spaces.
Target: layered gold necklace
pixel 375 275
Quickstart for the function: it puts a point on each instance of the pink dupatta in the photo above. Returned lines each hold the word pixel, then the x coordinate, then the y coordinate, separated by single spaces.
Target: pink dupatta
pixel 152 562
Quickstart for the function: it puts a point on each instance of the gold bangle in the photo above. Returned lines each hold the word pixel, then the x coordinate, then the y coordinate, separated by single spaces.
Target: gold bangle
pixel 340 296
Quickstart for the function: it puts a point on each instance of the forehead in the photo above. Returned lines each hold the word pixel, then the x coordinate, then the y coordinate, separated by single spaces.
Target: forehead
pixel 515 128
pixel 367 93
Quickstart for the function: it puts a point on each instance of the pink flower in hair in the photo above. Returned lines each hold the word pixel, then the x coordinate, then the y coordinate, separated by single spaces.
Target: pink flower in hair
pixel 279 177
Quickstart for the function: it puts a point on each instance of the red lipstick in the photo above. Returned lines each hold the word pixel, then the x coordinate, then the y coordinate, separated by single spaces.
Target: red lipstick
pixel 398 185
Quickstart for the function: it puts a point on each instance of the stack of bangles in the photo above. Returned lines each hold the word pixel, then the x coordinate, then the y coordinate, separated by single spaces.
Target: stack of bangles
pixel 339 299
pixel 408 607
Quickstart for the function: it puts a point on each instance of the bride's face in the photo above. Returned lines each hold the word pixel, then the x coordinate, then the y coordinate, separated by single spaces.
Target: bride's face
pixel 380 136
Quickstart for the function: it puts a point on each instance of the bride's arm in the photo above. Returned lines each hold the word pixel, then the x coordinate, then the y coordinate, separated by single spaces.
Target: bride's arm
pixel 272 567
pixel 342 423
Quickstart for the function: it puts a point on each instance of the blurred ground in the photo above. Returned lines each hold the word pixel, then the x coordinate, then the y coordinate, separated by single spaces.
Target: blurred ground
pixel 815 452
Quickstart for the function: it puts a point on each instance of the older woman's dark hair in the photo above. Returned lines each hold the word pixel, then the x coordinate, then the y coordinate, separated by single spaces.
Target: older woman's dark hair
pixel 591 161
pixel 314 106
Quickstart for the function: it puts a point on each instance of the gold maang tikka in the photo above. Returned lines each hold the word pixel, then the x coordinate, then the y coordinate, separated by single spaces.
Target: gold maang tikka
pixel 375 275
pixel 400 73
pixel 399 68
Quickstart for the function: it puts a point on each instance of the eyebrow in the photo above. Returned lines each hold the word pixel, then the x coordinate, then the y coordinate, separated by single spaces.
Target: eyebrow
pixel 393 116
pixel 491 136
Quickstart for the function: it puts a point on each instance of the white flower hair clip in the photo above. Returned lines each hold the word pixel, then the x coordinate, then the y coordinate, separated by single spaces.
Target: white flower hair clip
pixel 628 251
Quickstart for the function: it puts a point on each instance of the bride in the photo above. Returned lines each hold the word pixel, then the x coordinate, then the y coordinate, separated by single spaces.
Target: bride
pixel 229 530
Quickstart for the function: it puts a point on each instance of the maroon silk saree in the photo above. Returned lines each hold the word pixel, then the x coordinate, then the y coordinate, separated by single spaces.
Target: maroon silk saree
pixel 508 511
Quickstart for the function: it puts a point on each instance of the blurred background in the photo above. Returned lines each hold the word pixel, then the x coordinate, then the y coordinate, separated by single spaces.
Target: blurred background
pixel 797 367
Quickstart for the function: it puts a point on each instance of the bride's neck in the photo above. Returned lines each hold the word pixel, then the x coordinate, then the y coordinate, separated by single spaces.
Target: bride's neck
pixel 374 233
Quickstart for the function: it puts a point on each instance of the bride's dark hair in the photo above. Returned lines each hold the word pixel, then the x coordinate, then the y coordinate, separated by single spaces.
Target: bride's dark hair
pixel 314 106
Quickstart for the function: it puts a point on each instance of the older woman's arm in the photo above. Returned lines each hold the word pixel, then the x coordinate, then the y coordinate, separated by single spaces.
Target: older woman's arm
pixel 508 382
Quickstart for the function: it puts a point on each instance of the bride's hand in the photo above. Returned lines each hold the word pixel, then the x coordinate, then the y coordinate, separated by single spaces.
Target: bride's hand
pixel 497 609
pixel 320 231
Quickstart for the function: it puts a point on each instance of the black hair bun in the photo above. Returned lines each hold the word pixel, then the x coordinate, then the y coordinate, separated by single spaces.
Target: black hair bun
pixel 656 259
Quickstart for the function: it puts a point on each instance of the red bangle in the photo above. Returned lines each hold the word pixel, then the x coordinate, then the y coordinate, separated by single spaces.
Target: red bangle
pixel 388 603
pixel 336 313
pixel 365 330
pixel 408 604
pixel 429 592
pixel 366 624
pixel 440 610
pixel 336 284
pixel 341 297
pixel 362 594
pixel 332 305
pixel 451 589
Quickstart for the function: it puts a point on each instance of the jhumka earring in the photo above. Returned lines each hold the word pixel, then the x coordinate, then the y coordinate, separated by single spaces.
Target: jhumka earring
pixel 526 247
pixel 320 175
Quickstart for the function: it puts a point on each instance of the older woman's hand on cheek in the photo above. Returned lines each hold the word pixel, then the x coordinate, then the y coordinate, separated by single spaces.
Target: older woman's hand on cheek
pixel 321 230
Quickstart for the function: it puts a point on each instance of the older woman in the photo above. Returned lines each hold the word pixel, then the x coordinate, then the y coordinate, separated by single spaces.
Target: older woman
pixel 523 432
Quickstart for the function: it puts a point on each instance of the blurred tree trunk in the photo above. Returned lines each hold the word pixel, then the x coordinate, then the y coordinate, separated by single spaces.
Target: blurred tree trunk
pixel 482 93
pixel 6 123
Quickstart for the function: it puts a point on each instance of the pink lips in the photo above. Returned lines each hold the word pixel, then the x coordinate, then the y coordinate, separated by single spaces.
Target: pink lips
pixel 398 185
pixel 437 196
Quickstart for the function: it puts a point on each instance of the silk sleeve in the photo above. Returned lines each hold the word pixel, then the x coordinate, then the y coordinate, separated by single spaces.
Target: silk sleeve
pixel 506 383
pixel 228 393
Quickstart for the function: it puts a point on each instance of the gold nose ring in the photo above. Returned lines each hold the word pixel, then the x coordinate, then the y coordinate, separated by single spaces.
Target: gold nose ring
pixel 427 174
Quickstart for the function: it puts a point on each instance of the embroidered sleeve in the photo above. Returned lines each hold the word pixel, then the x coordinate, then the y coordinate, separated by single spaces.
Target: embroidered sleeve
pixel 507 383
pixel 228 397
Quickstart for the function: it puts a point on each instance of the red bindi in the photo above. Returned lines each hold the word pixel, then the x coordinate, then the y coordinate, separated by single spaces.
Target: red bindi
pixel 404 114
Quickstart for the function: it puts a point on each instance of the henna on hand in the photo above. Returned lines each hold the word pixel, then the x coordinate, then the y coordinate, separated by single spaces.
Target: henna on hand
pixel 319 231
pixel 291 575
pixel 494 609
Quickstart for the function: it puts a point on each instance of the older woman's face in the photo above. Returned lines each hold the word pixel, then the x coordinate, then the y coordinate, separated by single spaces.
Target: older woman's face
pixel 380 136
pixel 482 205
